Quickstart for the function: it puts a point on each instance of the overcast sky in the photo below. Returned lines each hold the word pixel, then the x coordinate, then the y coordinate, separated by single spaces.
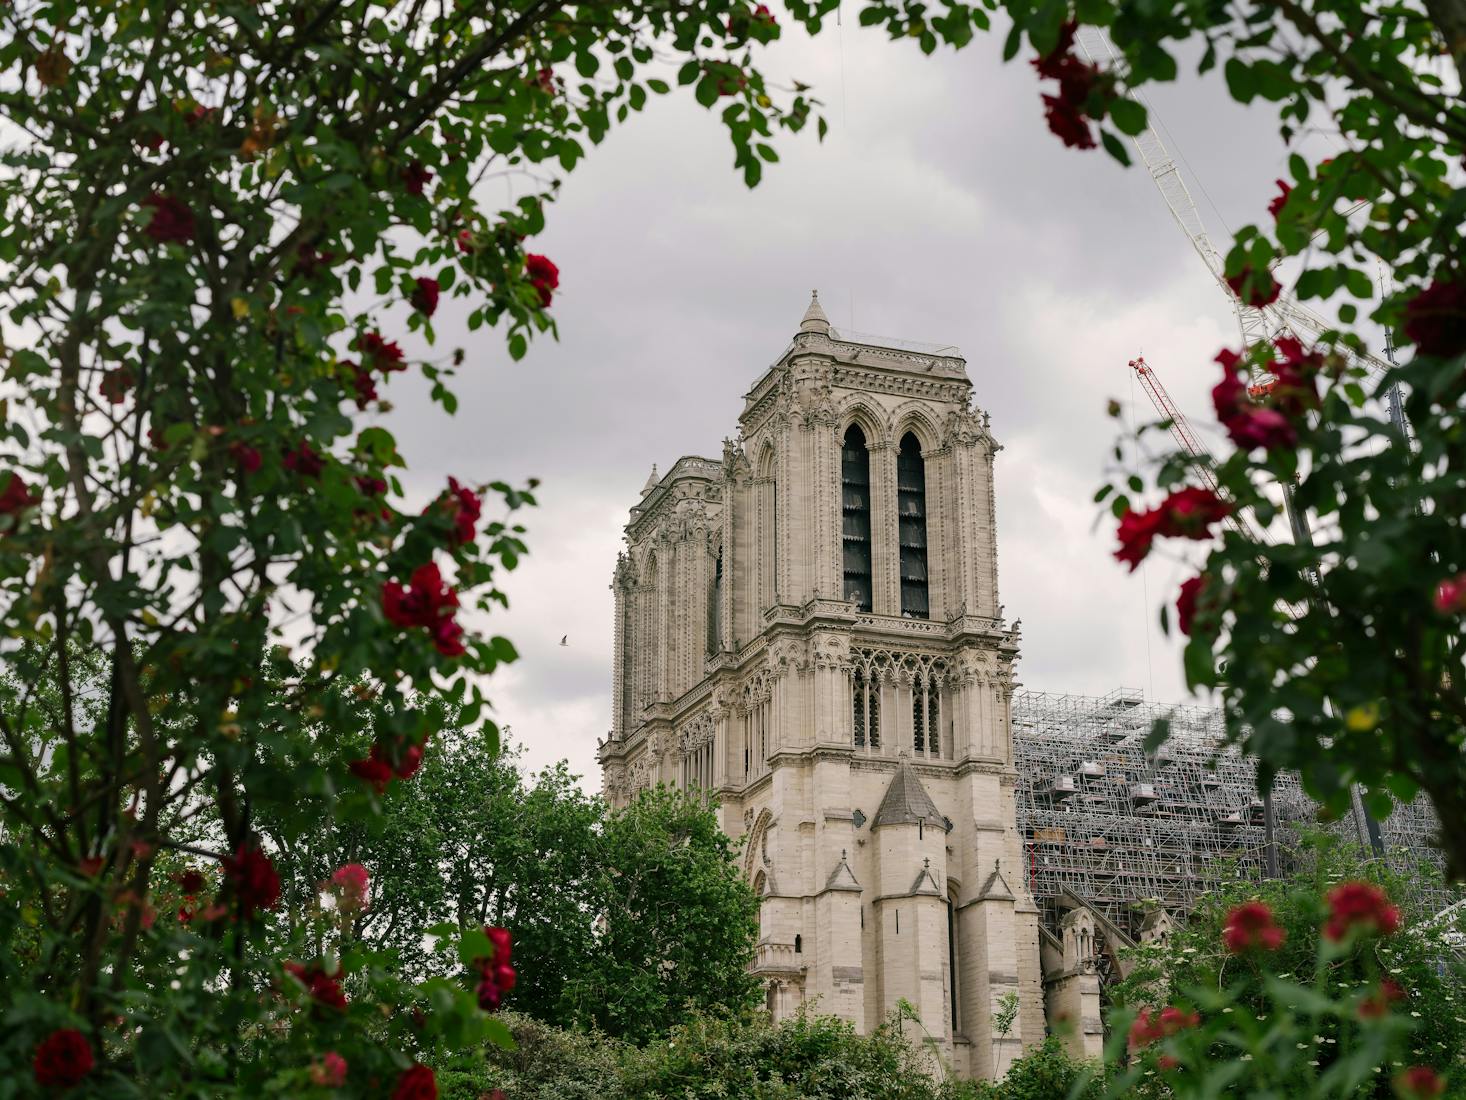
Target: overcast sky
pixel 938 209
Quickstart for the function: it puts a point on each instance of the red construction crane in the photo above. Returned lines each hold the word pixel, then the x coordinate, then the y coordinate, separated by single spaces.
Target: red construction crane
pixel 1181 430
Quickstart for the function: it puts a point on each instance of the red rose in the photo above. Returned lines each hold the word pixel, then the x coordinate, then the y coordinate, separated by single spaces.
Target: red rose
pixel 248 457
pixel 1050 65
pixel 427 602
pixel 544 276
pixel 1247 424
pixel 1378 1003
pixel 1256 289
pixel 1435 320
pixel 323 989
pixel 1191 591
pixel 496 974
pixel 62 1059
pixel 1190 512
pixel 1276 206
pixel 362 383
pixel 351 882
pixel 1067 123
pixel 16 498
pixel 329 1072
pixel 1360 906
pixel 1137 531
pixel 253 877
pixel 191 882
pixel 1294 388
pixel 416 1083
pixel 115 384
pixel 1067 113
pixel 373 769
pixel 425 296
pixel 1250 925
pixel 172 220
pixel 411 760
pixel 380 354
pixel 415 177
pixel 304 461
pixel 464 507
pixel 1419 1083
pixel 466 242
pixel 1450 595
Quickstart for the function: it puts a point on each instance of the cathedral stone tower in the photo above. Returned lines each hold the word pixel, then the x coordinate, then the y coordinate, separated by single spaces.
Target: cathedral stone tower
pixel 809 630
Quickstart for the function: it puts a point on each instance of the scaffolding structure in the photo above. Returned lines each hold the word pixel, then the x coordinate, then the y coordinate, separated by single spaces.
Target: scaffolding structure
pixel 1125 830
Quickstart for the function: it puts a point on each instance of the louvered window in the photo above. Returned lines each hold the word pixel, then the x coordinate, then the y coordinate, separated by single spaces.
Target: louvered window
pixel 855 518
pixel 911 517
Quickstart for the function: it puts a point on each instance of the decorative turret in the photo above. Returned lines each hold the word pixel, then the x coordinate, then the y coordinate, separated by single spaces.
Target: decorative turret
pixel 907 802
pixel 814 317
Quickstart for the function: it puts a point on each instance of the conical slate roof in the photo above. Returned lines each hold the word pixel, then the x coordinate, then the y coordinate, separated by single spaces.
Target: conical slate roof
pixel 907 802
pixel 814 317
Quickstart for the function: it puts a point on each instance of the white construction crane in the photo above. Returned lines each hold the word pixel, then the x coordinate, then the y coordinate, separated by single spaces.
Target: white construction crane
pixel 1283 317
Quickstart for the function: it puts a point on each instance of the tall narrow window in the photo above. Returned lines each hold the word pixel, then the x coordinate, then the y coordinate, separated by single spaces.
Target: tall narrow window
pixel 918 713
pixel 855 507
pixel 859 709
pixel 911 510
pixel 952 961
pixel 933 717
pixel 873 713
pixel 715 606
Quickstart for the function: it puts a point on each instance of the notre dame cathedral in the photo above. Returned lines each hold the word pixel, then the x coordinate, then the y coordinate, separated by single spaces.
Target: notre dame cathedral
pixel 809 628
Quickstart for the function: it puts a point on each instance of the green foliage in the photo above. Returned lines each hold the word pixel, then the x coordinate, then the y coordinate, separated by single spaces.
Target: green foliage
pixel 1302 1014
pixel 1047 1072
pixel 678 920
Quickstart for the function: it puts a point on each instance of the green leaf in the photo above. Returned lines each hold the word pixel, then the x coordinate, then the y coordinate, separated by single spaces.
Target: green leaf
pixel 1128 116
pixel 1114 147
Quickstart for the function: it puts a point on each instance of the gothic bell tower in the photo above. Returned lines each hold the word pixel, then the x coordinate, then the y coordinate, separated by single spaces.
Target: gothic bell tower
pixel 808 630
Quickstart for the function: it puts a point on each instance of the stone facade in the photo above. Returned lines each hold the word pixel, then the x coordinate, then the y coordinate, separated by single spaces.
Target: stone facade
pixel 809 629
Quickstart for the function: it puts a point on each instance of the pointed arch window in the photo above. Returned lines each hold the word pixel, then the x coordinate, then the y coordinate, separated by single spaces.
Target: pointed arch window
pixel 715 605
pixel 866 710
pixel 911 514
pixel 855 510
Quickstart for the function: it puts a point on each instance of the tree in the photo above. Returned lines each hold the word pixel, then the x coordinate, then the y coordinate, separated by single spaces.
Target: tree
pixel 677 920
pixel 189 483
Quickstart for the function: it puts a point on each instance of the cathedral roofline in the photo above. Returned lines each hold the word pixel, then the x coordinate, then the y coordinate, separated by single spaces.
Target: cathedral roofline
pixel 907 801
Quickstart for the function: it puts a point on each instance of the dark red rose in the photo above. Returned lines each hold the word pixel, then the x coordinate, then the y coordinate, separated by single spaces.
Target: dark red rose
pixel 1419 1083
pixel 410 762
pixel 253 877
pixel 1186 602
pixel 415 177
pixel 464 507
pixel 1251 926
pixel 371 486
pixel 115 384
pixel 1295 372
pixel 544 276
pixel 16 497
pixel 323 989
pixel 1435 320
pixel 363 385
pixel 545 78
pixel 426 602
pixel 1276 206
pixel 374 769
pixel 416 1083
pixel 1067 123
pixel 380 354
pixel 1251 425
pixel 303 460
pixel 1256 289
pixel 1190 512
pixel 425 296
pixel 1378 1003
pixel 466 242
pixel 496 973
pixel 63 1059
pixel 1360 906
pixel 1137 531
pixel 248 457
pixel 172 220
pixel 191 882
pixel 1050 65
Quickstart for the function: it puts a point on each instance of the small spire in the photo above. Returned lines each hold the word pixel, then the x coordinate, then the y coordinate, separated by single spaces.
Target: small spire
pixel 814 317
pixel 651 482
pixel 926 861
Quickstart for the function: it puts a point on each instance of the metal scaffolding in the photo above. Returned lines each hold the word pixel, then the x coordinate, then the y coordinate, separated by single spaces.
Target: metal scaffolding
pixel 1124 829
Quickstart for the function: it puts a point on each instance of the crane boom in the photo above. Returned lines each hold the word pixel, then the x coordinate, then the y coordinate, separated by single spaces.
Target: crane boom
pixel 1182 431
pixel 1285 316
